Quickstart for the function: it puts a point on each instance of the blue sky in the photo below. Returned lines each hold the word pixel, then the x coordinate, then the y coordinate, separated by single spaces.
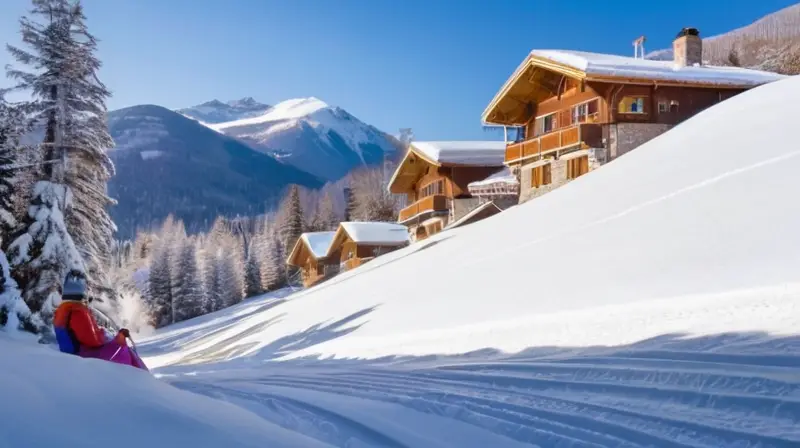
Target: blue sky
pixel 431 65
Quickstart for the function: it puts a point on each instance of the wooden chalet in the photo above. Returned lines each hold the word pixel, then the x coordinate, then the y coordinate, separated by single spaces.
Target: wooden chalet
pixel 355 243
pixel 574 111
pixel 310 254
pixel 435 177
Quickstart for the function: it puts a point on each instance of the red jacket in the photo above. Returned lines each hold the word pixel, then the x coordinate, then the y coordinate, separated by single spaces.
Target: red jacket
pixel 81 322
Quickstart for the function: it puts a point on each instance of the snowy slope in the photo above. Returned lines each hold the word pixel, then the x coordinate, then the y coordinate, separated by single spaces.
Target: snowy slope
pixel 50 399
pixel 653 302
pixel 311 135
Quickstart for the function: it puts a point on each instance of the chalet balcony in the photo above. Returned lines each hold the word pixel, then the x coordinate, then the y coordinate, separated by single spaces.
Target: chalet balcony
pixel 585 135
pixel 428 204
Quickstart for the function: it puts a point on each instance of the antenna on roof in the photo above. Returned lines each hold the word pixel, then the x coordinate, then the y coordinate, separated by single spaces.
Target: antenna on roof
pixel 638 47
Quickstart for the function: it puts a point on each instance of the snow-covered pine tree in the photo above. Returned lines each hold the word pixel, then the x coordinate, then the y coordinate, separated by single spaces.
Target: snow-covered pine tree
pixel 159 287
pixel 14 314
pixel 253 286
pixel 372 201
pixel 328 219
pixel 349 204
pixel 274 273
pixel 292 218
pixel 69 101
pixel 190 291
pixel 211 279
pixel 13 124
pixel 43 255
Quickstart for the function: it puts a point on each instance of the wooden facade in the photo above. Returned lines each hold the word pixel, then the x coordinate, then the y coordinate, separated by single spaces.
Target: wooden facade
pixel 577 114
pixel 572 120
pixel 431 187
pixel 313 267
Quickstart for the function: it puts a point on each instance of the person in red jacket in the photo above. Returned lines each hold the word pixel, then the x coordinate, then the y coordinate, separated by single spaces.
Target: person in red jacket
pixel 75 326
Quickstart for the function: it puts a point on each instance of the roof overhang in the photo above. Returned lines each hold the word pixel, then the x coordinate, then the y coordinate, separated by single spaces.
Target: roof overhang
pixel 409 170
pixel 507 108
pixel 525 85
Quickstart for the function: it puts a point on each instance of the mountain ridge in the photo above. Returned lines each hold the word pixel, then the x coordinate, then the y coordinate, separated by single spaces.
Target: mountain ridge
pixel 308 133
pixel 167 163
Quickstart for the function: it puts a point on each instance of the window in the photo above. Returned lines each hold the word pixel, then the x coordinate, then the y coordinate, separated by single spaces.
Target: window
pixel 546 124
pixel 632 105
pixel 673 106
pixel 435 187
pixel 577 167
pixel 585 112
pixel 540 176
pixel 662 107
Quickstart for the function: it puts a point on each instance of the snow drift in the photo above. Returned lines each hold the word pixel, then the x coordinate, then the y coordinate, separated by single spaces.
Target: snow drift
pixel 44 392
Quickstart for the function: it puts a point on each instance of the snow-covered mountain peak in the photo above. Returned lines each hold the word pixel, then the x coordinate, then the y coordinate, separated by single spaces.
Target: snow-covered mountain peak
pixel 215 111
pixel 310 134
pixel 248 101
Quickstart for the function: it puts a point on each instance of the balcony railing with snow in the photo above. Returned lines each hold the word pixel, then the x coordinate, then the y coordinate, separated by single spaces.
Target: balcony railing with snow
pixel 586 135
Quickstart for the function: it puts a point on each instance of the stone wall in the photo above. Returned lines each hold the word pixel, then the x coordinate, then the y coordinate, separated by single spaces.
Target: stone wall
pixel 558 177
pixel 625 137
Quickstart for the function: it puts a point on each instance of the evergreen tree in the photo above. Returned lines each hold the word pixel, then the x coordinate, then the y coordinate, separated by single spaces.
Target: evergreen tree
pixel 12 127
pixel 274 273
pixel 328 219
pixel 159 287
pixel 253 286
pixel 190 295
pixel 45 252
pixel 13 311
pixel 69 101
pixel 292 218
pixel 349 204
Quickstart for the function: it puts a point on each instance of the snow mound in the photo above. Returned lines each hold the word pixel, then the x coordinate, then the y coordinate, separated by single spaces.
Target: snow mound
pixel 123 407
pixel 480 153
pixel 614 65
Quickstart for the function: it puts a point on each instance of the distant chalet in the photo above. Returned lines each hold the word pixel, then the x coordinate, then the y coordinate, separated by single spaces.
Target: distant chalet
pixel 439 179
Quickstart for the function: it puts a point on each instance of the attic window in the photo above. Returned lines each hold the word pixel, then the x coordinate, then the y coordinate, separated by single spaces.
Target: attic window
pixel 632 105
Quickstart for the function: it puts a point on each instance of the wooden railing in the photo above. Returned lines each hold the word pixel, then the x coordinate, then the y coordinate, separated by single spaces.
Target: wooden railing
pixel 433 203
pixel 587 135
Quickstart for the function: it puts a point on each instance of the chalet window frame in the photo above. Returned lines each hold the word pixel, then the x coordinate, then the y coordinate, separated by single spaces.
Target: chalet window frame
pixel 663 107
pixel 588 115
pixel 577 167
pixel 554 123
pixel 643 111
pixel 541 176
pixel 424 191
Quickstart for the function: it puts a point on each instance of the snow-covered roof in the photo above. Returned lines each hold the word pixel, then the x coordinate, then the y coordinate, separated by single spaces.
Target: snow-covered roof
pixel 598 64
pixel 376 232
pixel 504 176
pixel 318 242
pixel 478 153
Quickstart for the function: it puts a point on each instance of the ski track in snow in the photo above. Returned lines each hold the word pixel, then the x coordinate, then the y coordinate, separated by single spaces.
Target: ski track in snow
pixel 664 398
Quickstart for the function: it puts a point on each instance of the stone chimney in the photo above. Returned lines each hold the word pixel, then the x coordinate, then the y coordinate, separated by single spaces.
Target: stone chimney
pixel 687 48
